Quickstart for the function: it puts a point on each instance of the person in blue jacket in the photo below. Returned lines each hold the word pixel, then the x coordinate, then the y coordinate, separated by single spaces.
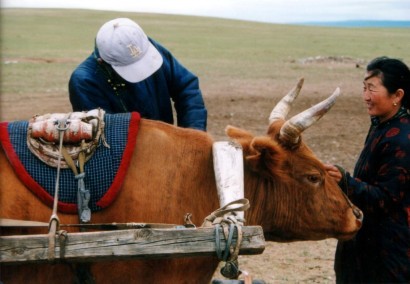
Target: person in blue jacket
pixel 380 184
pixel 129 72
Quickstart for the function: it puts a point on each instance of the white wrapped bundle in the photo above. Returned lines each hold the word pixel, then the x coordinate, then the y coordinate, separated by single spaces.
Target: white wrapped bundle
pixel 228 166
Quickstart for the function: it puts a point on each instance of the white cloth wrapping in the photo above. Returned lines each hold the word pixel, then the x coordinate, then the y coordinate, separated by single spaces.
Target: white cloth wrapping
pixel 228 167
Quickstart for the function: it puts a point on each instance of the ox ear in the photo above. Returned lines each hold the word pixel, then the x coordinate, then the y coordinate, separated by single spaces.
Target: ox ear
pixel 266 156
pixel 242 137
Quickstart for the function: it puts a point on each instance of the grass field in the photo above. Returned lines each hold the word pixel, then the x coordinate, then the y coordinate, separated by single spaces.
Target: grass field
pixel 48 44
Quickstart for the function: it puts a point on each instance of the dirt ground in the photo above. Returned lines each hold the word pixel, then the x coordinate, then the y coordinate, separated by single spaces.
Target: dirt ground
pixel 336 138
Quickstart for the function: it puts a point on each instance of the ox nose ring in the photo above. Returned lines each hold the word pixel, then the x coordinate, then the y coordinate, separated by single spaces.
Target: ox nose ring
pixel 358 213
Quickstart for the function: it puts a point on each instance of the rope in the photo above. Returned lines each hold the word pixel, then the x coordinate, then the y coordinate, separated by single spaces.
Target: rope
pixel 224 220
pixel 62 125
pixel 231 252
pixel 83 195
pixel 226 212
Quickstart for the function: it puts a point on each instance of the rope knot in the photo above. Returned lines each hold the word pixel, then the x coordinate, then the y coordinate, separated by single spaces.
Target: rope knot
pixel 80 176
pixel 224 219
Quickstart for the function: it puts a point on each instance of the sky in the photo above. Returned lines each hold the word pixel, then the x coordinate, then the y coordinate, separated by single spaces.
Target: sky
pixel 270 11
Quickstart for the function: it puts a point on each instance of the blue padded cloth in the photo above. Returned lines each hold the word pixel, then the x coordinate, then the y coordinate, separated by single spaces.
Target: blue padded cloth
pixel 100 170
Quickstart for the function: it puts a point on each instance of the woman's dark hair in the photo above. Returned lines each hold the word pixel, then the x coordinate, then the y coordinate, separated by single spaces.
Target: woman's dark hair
pixel 394 75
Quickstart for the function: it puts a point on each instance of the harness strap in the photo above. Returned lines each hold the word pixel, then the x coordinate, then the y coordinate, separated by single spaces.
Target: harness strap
pixel 83 195
pixel 69 160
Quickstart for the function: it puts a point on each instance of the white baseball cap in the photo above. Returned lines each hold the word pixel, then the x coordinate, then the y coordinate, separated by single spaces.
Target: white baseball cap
pixel 124 45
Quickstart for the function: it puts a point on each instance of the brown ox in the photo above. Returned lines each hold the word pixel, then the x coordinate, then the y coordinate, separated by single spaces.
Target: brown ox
pixel 171 173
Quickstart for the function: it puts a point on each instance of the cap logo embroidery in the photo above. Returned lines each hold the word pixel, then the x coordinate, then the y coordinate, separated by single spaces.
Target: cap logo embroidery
pixel 135 51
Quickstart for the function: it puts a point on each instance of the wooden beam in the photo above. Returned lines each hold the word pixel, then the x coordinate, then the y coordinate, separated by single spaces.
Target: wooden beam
pixel 126 244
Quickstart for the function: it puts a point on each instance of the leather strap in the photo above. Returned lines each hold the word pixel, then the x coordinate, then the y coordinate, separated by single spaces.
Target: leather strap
pixel 83 195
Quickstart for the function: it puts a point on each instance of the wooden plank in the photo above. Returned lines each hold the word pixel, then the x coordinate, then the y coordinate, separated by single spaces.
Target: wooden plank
pixel 126 244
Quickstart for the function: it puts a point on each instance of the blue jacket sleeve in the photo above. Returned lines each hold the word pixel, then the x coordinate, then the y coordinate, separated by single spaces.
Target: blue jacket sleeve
pixel 184 91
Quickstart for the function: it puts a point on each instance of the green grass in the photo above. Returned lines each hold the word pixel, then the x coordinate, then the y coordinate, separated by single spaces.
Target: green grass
pixel 221 52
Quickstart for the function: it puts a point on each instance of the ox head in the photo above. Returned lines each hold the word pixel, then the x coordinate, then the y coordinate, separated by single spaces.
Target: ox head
pixel 292 196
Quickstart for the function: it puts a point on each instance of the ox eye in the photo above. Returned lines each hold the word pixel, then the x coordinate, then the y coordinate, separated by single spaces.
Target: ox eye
pixel 313 178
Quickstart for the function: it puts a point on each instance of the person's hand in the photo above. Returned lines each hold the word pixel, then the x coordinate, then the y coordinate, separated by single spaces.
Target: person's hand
pixel 334 172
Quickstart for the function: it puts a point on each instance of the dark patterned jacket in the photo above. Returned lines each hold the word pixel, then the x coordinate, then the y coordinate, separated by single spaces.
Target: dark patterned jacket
pixel 380 187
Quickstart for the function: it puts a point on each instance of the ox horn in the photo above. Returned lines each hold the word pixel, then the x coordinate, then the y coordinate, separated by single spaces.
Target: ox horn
pixel 282 108
pixel 291 129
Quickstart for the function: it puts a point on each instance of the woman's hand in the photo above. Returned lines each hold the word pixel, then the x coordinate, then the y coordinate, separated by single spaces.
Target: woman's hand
pixel 334 172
